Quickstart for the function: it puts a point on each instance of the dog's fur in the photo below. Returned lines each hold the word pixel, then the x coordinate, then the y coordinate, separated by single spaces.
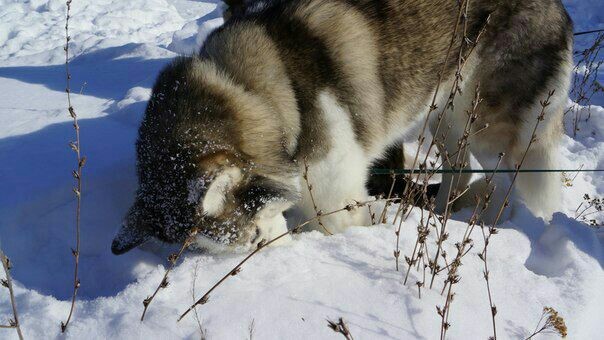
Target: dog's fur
pixel 335 82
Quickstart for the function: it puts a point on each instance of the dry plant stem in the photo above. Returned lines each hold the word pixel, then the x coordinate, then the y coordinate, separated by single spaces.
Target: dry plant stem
pixel 462 59
pixel 461 62
pixel 453 277
pixel 77 174
pixel 251 328
pixel 569 181
pixel 173 258
pixel 406 211
pixel 397 232
pixel 554 324
pixel 410 208
pixel 453 267
pixel 492 230
pixel 423 190
pixel 312 198
pixel 432 108
pixel 263 244
pixel 371 214
pixel 404 206
pixel 483 256
pixel 455 88
pixel 544 104
pixel 406 196
pixel 577 213
pixel 452 196
pixel 586 85
pixel 422 234
pixel 386 206
pixel 202 333
pixel 8 283
pixel 340 327
pixel 590 207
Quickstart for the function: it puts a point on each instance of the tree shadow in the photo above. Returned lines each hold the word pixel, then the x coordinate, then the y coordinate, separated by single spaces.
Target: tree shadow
pixel 37 205
pixel 108 73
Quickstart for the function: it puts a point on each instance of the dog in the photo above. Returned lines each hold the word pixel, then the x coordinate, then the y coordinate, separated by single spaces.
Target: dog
pixel 332 84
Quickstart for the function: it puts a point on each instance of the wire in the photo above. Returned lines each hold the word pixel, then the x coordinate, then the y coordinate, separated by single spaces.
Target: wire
pixel 589 32
pixel 470 171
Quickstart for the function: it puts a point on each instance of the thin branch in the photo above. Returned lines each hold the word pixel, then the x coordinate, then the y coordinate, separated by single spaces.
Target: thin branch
pixel 172 259
pixel 318 212
pixel 386 206
pixel 202 332
pixel 8 283
pixel 340 327
pixel 493 230
pixel 77 174
pixel 263 244
pixel 405 206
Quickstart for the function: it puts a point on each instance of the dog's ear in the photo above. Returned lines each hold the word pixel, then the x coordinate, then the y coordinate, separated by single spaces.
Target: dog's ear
pixel 235 3
pixel 222 185
pixel 132 233
pixel 233 7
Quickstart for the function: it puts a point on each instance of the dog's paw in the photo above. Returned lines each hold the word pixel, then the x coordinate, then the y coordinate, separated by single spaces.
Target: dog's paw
pixel 271 224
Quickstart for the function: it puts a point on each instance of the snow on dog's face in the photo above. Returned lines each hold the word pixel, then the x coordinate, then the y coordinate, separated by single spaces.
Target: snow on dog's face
pixel 223 203
pixel 190 173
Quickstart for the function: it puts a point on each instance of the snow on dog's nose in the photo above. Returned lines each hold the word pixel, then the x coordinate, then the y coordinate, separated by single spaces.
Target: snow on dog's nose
pixel 229 207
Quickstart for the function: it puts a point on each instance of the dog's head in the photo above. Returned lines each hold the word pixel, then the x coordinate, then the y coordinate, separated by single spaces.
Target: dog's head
pixel 223 202
pixel 192 174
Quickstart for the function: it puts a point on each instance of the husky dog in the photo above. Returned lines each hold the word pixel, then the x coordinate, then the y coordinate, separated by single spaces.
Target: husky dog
pixel 334 83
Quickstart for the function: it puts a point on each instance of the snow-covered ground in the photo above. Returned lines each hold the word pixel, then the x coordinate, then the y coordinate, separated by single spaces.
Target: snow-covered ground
pixel 287 292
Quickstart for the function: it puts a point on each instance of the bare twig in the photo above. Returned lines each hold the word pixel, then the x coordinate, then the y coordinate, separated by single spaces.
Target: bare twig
pixel 8 283
pixel 371 214
pixel 318 212
pixel 541 117
pixel 452 194
pixel 432 107
pixel 553 323
pixel 340 327
pixel 386 206
pixel 261 245
pixel 493 229
pixel 568 182
pixel 585 83
pixel 77 174
pixel 463 249
pixel 251 328
pixel 172 259
pixel 202 331
pixel 590 206
pixel 466 48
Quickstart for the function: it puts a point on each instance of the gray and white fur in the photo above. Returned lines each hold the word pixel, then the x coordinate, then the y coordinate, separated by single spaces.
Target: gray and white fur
pixel 336 82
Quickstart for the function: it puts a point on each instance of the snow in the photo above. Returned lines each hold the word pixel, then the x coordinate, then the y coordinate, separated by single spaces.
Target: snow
pixel 286 291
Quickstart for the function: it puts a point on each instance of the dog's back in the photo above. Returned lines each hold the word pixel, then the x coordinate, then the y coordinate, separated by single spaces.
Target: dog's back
pixel 382 61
